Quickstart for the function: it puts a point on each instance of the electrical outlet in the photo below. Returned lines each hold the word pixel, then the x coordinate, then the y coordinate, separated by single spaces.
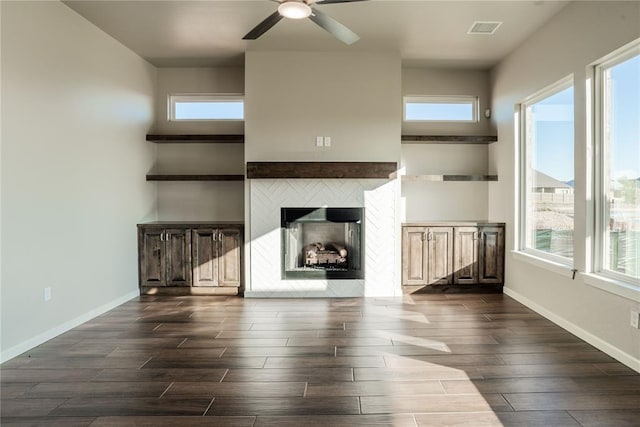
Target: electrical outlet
pixel 47 294
pixel 327 141
pixel 319 141
pixel 635 319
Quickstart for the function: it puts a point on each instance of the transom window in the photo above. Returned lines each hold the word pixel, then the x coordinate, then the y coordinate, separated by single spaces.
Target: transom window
pixel 441 108
pixel 206 107
pixel 546 173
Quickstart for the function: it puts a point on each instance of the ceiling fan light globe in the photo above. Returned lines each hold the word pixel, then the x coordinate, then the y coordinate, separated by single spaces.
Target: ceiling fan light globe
pixel 294 9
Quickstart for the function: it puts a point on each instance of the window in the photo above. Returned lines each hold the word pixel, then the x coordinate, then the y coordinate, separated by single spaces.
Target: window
pixel 547 173
pixel 618 166
pixel 206 107
pixel 441 108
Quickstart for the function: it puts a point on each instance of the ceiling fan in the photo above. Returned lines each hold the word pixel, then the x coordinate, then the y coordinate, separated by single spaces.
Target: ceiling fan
pixel 300 9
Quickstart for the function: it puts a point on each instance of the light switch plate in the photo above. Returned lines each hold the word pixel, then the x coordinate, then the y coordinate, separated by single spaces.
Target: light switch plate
pixel 327 141
pixel 319 141
pixel 635 319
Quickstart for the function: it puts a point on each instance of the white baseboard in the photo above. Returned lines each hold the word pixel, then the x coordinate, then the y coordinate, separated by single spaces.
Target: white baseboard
pixel 60 329
pixel 600 344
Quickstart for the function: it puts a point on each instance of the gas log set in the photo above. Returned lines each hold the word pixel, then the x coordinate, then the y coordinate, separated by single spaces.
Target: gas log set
pixel 331 253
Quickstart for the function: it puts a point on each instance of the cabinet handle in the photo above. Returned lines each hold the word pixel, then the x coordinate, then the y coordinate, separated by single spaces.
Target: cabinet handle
pixel 483 235
pixel 167 236
pixel 476 235
pixel 430 236
pixel 215 236
pixel 424 235
pixel 220 236
pixel 162 236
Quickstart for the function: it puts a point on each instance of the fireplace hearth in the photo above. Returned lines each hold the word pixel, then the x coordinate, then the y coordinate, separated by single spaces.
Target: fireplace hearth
pixel 322 243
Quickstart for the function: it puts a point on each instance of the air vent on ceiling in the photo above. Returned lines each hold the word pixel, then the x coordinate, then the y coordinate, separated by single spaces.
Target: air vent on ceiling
pixel 484 27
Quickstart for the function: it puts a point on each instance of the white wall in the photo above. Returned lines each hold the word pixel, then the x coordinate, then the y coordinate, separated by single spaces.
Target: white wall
pixel 76 106
pixel 580 34
pixel 199 201
pixel 292 97
pixel 446 201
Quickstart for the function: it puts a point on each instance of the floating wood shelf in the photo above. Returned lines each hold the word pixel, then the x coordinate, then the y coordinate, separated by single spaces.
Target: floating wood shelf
pixel 450 178
pixel 188 177
pixel 325 170
pixel 196 139
pixel 448 139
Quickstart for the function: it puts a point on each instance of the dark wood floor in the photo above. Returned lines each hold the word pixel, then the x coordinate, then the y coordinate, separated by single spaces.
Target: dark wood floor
pixel 428 360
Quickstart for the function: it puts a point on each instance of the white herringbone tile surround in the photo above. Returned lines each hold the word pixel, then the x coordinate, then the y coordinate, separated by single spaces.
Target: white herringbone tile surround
pixel 377 196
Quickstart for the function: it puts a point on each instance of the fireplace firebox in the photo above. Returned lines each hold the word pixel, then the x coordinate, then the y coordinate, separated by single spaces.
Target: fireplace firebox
pixel 322 243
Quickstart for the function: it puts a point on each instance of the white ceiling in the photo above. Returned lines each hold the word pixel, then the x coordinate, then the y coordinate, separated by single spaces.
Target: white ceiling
pixel 209 33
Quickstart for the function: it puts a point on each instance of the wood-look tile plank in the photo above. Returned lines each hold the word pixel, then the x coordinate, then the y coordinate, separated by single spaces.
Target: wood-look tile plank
pixel 47 421
pixel 296 326
pixel 161 375
pixel 325 362
pixel 236 389
pixel 99 389
pixel 279 351
pixel 511 385
pixel 298 342
pixel 442 360
pixel 375 388
pixel 413 374
pixel 267 334
pixel 206 363
pixel 608 418
pixel 564 357
pixel 402 339
pixel 218 343
pixel 573 401
pixel 546 370
pixel 159 421
pixel 497 419
pixel 396 420
pixel 13 390
pixel 48 375
pixel 100 407
pixel 28 407
pixel 291 374
pixel 433 403
pixel 285 406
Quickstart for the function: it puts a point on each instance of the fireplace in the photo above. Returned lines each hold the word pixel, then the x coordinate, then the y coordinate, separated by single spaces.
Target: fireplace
pixel 322 243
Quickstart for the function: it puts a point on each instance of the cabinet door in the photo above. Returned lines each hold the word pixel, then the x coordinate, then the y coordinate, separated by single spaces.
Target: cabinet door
pixel 414 256
pixel 491 255
pixel 205 257
pixel 152 258
pixel 440 260
pixel 230 258
pixel 178 257
pixel 466 255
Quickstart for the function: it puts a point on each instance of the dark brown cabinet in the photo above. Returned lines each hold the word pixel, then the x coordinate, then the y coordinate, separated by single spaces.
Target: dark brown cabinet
pixel 453 257
pixel 195 257
pixel 165 257
pixel 427 255
pixel 216 257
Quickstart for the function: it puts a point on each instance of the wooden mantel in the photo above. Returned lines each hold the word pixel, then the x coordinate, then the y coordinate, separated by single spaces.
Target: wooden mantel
pixel 328 170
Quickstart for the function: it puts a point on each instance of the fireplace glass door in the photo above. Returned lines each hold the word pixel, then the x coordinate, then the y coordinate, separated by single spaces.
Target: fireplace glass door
pixel 322 243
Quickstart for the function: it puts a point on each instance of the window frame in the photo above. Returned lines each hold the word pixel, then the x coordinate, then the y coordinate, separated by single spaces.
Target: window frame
pixel 524 154
pixel 174 98
pixel 599 249
pixel 441 99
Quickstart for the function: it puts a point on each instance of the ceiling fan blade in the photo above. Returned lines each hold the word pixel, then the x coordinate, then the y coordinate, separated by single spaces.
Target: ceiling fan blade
pixel 338 30
pixel 264 26
pixel 336 1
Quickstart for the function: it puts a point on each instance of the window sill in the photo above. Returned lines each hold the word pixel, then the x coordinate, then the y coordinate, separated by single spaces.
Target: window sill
pixel 617 287
pixel 556 267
